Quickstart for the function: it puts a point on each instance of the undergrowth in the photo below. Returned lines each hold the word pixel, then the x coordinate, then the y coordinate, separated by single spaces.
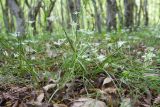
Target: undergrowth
pixel 132 58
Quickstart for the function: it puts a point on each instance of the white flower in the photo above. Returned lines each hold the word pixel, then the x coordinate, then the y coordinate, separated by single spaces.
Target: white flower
pixel 76 12
pixel 89 32
pixel 29 49
pixel 150 49
pixel 74 24
pixel 86 57
pixel 101 58
pixel 5 53
pixel 15 34
pixel 59 42
pixel 30 21
pixel 16 55
pixel 105 65
pixel 52 18
pixel 148 56
pixel 30 41
pixel 95 44
pixel 94 50
pixel 120 43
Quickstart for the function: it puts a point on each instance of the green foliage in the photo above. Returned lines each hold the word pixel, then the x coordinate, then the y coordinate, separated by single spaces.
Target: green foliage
pixel 131 57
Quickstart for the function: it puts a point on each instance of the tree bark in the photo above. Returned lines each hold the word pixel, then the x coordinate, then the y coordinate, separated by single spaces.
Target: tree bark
pixel 146 13
pixel 74 8
pixel 97 17
pixel 62 13
pixel 120 14
pixel 129 13
pixel 139 13
pixel 27 3
pixel 18 13
pixel 111 15
pixel 100 5
pixel 5 13
pixel 49 22
pixel 33 14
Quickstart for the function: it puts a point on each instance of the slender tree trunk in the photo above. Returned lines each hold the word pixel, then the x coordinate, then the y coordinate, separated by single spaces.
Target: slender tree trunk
pixel 146 13
pixel 139 13
pixel 97 17
pixel 74 8
pixel 68 18
pixel 27 3
pixel 33 14
pixel 159 11
pixel 50 22
pixel 62 13
pixel 5 13
pixel 129 13
pixel 120 14
pixel 78 9
pixel 18 13
pixel 100 5
pixel 111 15
pixel 11 22
pixel 40 19
pixel 136 12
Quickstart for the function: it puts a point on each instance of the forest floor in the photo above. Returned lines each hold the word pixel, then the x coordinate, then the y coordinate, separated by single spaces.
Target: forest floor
pixel 81 69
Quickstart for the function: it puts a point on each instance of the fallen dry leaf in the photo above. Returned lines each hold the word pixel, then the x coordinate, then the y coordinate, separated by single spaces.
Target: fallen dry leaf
pixel 59 105
pixel 157 100
pixel 29 49
pixel 22 105
pixel 148 97
pixel 16 104
pixel 36 104
pixel 108 86
pixel 88 102
pixel 40 98
pixel 145 105
pixel 18 89
pixel 49 86
pixel 110 90
pixel 107 82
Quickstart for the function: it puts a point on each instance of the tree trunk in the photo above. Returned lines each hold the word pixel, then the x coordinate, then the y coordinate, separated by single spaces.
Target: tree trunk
pixel 78 9
pixel 62 13
pixel 120 14
pixel 27 3
pixel 100 5
pixel 33 14
pixel 159 11
pixel 18 13
pixel 49 22
pixel 11 22
pixel 146 13
pixel 111 15
pixel 74 8
pixel 129 13
pixel 139 13
pixel 97 17
pixel 5 13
